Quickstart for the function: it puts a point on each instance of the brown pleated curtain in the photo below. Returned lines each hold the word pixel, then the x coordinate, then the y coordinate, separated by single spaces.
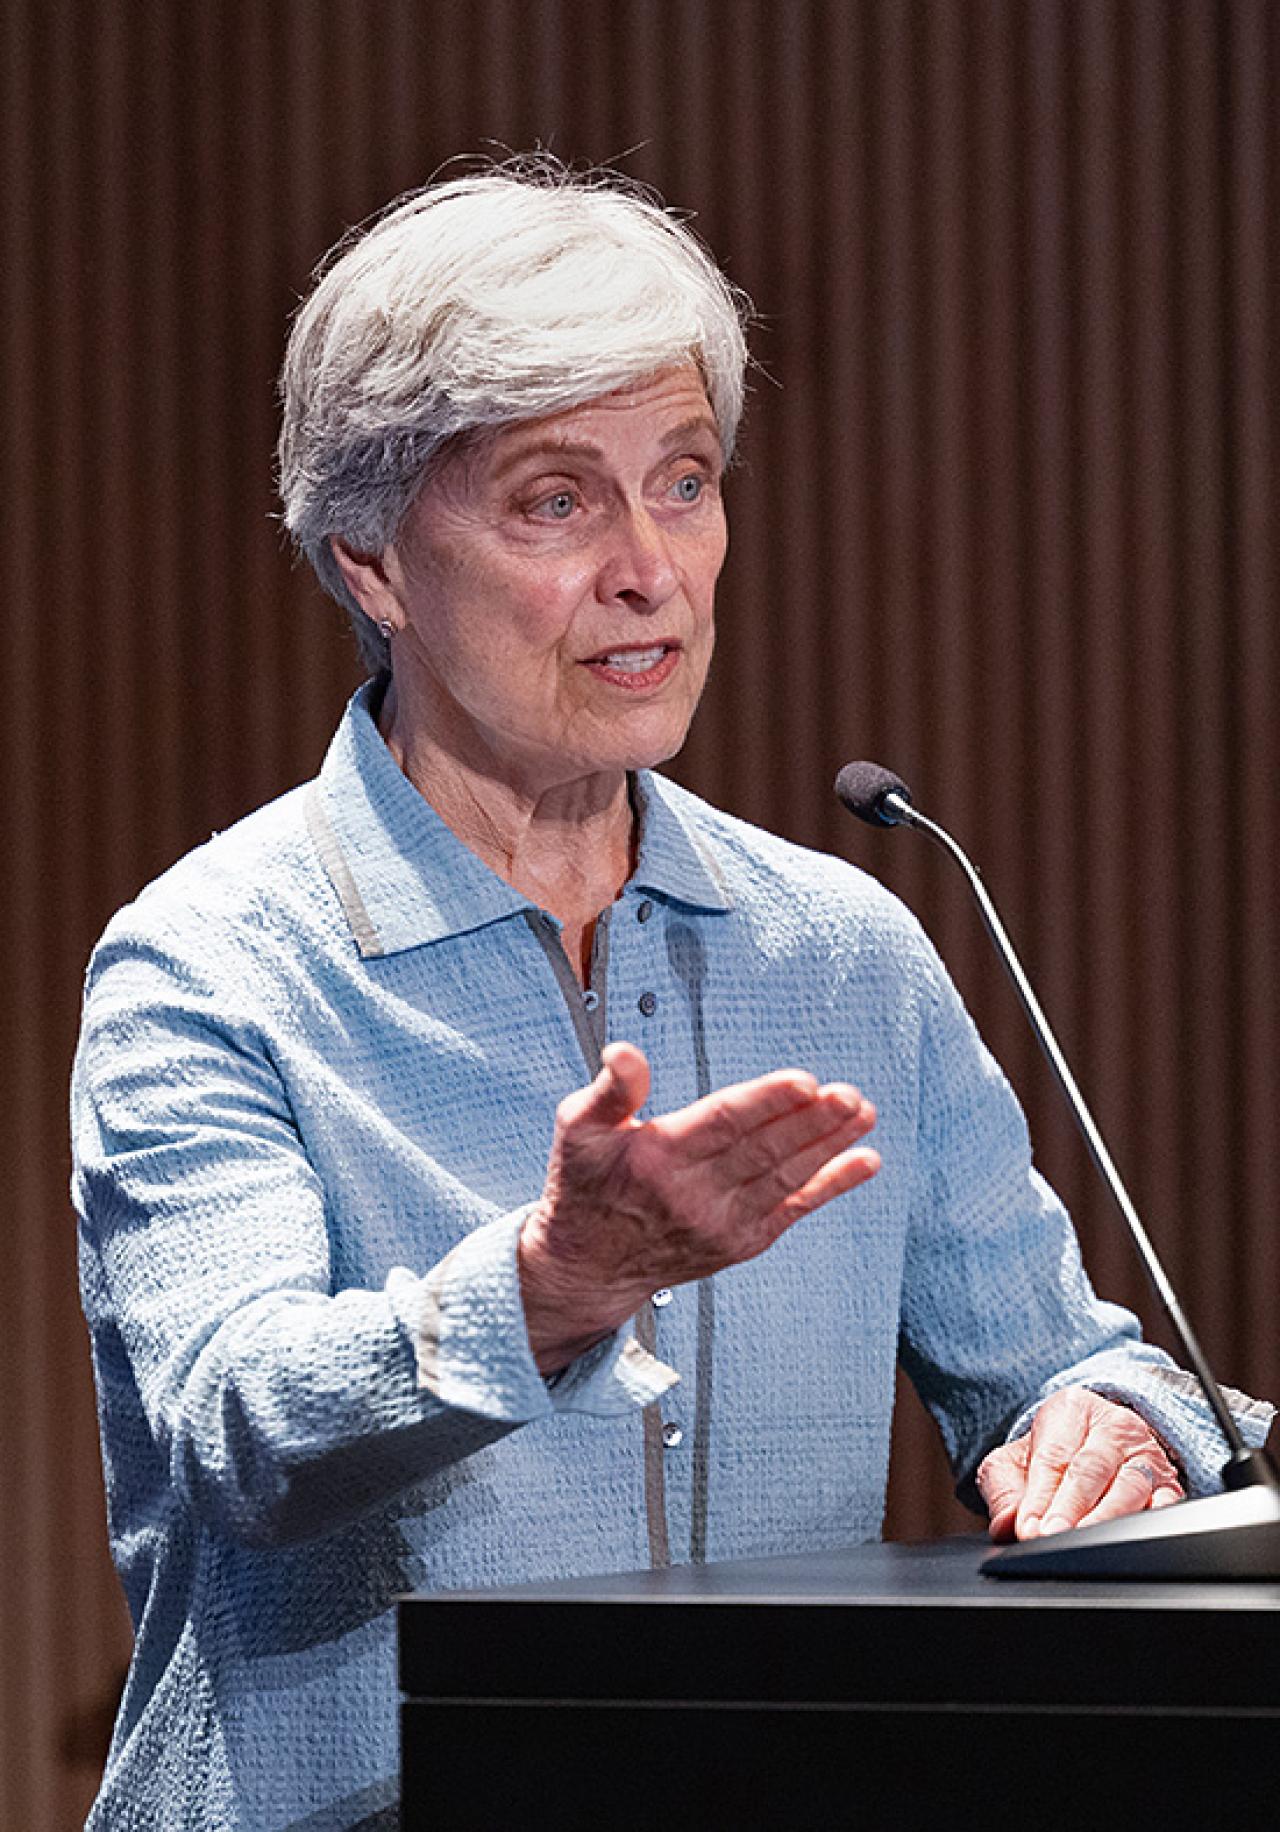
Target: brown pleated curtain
pixel 1005 519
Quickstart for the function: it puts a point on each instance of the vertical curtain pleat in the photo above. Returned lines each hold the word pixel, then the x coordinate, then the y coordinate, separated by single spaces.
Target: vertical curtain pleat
pixel 1004 518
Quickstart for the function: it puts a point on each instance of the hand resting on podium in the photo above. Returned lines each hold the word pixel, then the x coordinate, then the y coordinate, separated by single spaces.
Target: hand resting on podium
pixel 1084 1460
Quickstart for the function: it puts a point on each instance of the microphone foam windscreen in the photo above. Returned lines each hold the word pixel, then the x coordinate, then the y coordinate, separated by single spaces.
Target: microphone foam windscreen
pixel 862 788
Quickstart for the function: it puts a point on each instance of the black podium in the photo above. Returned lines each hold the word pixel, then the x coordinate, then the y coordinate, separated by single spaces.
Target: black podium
pixel 880 1686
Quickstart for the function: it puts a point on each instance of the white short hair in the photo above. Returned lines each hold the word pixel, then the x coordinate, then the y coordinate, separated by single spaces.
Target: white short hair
pixel 476 303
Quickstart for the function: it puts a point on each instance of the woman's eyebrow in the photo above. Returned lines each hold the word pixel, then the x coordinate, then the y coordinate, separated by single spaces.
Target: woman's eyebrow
pixel 547 448
pixel 700 423
pixel 550 447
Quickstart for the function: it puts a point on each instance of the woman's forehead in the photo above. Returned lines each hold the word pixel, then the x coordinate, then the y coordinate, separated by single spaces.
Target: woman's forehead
pixel 659 407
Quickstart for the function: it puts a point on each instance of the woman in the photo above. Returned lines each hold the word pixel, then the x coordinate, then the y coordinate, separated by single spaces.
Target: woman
pixel 382 1296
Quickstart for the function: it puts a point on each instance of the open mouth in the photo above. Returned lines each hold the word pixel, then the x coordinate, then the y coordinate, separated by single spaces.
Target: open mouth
pixel 635 665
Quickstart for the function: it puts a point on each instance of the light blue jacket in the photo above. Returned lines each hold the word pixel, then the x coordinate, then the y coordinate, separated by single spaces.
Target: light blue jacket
pixel 316 1086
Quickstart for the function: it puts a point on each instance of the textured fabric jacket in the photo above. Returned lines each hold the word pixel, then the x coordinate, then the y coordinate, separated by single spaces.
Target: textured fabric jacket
pixel 316 1088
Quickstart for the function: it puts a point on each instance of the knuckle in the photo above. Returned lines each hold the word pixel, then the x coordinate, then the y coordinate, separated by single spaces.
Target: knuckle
pixel 754 1156
pixel 779 1188
pixel 1051 1449
pixel 1127 1427
pixel 721 1127
pixel 994 1485
pixel 1092 1466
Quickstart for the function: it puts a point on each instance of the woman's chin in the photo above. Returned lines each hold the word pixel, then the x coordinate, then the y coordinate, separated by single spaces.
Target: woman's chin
pixel 648 756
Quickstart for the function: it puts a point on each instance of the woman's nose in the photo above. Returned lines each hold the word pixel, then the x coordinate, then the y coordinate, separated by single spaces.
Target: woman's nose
pixel 637 568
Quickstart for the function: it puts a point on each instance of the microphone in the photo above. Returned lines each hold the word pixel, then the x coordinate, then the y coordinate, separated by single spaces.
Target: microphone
pixel 874 794
pixel 1236 1534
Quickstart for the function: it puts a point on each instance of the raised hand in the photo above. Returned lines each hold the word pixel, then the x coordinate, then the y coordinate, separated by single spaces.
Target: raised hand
pixel 630 1206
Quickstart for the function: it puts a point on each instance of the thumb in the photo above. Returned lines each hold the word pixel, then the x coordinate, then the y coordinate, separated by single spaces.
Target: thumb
pixel 619 1090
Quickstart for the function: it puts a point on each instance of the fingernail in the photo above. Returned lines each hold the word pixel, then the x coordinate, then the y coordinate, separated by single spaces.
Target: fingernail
pixel 1053 1523
pixel 1030 1527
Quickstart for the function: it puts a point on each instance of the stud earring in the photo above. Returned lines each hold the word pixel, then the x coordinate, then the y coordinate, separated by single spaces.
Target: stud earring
pixel 386 628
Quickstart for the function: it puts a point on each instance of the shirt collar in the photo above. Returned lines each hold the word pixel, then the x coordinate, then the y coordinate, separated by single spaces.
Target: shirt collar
pixel 674 858
pixel 405 879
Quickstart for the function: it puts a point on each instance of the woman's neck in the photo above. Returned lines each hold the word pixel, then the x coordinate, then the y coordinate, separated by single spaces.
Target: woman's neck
pixel 568 846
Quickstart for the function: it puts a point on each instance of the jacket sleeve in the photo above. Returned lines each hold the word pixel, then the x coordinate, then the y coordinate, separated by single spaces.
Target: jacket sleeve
pixel 278 1404
pixel 998 1312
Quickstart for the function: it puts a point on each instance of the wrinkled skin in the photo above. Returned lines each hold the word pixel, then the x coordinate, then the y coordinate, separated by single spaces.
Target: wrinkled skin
pixel 629 1206
pixel 1084 1460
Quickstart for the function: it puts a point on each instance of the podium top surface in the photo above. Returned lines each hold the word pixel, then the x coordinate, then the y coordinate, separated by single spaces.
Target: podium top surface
pixel 937 1574
pixel 904 1623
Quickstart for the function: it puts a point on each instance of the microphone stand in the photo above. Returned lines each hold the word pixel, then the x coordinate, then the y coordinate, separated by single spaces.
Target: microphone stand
pixel 1232 1535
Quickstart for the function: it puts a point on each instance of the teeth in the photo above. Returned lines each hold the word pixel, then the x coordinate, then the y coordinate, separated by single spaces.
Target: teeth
pixel 635 661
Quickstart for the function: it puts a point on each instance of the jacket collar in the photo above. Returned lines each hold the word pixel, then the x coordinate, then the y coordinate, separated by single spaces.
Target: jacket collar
pixel 403 877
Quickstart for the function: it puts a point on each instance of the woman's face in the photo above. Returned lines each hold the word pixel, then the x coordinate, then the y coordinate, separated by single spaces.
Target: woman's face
pixel 555 587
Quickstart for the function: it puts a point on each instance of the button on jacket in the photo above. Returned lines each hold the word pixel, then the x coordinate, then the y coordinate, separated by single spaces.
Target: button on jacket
pixel 315 1093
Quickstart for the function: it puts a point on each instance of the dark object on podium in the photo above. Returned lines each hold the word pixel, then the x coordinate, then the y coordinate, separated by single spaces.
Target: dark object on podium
pixel 1233 1535
pixel 883 1686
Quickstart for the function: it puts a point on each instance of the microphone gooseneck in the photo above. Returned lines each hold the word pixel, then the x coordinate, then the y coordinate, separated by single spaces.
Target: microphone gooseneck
pixel 882 799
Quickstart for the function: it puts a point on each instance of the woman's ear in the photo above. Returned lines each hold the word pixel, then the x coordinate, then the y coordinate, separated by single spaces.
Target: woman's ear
pixel 370 578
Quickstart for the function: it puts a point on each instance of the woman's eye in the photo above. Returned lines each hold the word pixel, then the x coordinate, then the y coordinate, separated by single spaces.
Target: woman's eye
pixel 557 508
pixel 689 489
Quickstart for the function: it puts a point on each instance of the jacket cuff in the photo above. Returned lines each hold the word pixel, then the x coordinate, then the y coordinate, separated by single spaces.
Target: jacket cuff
pixel 1172 1403
pixel 465 1321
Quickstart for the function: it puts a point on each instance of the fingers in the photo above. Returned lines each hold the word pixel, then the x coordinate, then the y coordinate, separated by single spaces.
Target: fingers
pixel 1084 1461
pixel 1101 1484
pixel 720 1123
pixel 754 1126
pixel 683 1195
pixel 1090 1460
pixel 838 1175
pixel 1056 1437
pixel 813 1174
pixel 1060 1494
pixel 1142 1481
pixel 784 1168
pixel 1002 1482
pixel 781 1126
pixel 794 1147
